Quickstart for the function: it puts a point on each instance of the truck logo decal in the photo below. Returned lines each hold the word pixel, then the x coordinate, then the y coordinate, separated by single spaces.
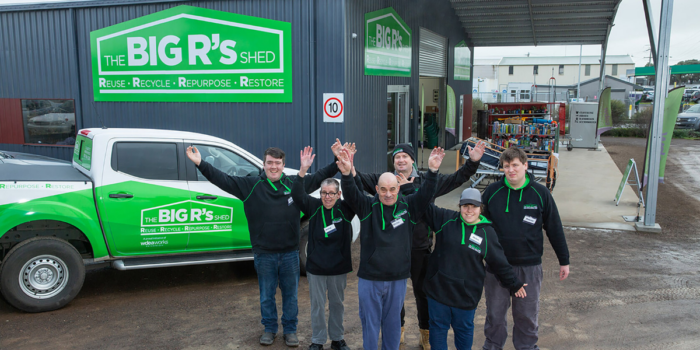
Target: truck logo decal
pixel 186 217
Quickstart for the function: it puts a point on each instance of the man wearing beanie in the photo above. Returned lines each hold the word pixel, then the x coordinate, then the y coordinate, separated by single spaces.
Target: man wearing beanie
pixel 410 180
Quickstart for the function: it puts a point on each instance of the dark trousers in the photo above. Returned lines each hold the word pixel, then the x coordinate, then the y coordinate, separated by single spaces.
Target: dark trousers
pixel 419 264
pixel 442 317
pixel 278 270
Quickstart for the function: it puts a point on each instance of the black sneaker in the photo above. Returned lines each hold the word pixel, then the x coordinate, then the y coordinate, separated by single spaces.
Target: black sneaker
pixel 339 345
pixel 267 338
pixel 291 340
pixel 316 347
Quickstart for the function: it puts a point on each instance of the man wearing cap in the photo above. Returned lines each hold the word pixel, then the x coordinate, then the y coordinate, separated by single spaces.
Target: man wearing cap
pixel 387 221
pixel 410 181
pixel 520 208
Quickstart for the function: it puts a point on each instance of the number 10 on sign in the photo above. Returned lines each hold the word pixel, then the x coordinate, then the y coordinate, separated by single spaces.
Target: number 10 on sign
pixel 333 108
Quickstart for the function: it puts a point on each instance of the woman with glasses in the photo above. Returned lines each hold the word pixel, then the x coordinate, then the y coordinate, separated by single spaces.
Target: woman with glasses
pixel 328 255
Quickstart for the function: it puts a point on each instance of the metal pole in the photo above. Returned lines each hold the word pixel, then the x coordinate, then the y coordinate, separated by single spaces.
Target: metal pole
pixel 660 93
pixel 578 88
pixel 650 29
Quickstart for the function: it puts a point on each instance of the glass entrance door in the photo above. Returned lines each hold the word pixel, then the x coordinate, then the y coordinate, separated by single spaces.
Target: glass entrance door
pixel 397 118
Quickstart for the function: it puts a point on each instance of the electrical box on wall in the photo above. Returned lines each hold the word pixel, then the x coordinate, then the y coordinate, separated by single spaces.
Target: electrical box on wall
pixel 436 95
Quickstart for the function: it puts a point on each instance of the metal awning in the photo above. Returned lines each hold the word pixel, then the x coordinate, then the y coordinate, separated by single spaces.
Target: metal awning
pixel 536 22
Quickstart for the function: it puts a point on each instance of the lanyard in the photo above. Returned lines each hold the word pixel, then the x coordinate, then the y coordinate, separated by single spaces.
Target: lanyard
pixel 273 185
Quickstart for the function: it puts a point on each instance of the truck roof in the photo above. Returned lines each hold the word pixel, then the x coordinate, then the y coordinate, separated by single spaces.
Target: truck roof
pixel 176 134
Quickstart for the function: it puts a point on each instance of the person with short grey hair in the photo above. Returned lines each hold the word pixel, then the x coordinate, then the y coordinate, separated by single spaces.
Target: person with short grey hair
pixel 329 258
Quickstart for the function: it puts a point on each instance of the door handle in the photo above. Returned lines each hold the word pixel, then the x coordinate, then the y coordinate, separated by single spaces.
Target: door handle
pixel 121 195
pixel 207 197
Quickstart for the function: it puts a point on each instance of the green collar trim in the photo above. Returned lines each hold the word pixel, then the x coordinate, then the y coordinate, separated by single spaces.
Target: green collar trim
pixel 527 182
pixel 275 187
pixel 482 220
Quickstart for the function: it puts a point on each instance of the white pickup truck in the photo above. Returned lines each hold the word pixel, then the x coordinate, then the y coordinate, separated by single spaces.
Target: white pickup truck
pixel 130 199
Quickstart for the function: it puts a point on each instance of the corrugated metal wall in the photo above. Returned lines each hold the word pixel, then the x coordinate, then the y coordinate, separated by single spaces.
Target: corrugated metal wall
pixel 40 35
pixel 366 99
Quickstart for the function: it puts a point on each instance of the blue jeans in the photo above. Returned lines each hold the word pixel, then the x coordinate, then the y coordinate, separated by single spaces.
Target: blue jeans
pixel 278 269
pixel 380 309
pixel 441 317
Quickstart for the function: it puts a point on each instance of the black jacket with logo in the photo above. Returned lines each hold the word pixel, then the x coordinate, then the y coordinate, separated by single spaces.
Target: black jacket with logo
pixel 386 231
pixel 456 271
pixel 519 215
pixel 422 238
pixel 273 218
pixel 328 253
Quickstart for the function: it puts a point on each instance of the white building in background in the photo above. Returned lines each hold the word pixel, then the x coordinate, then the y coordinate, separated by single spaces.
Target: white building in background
pixel 516 75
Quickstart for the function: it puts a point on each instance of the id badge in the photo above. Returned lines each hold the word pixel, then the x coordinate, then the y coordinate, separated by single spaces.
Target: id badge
pixel 476 239
pixel 329 229
pixel 396 223
pixel 529 220
pixel 290 201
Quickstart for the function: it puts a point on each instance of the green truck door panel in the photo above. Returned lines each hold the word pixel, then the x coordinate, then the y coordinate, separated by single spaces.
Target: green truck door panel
pixel 219 231
pixel 147 207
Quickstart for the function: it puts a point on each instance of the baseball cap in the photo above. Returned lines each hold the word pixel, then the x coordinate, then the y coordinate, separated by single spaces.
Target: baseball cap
pixel 470 196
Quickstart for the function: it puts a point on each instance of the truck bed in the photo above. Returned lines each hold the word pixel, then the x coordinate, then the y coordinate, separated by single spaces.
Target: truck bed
pixel 31 172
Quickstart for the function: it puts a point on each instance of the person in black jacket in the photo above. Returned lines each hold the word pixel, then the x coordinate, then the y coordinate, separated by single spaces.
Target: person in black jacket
pixel 410 180
pixel 329 258
pixel 520 208
pixel 387 221
pixel 273 223
pixel 455 272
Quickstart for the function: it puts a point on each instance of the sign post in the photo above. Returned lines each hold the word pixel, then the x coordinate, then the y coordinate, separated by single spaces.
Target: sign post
pixel 192 54
pixel 333 111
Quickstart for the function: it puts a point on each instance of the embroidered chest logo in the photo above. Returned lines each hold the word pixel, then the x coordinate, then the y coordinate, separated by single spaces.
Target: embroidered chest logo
pixel 401 212
pixel 337 220
pixel 475 248
pixel 530 206
pixel 287 193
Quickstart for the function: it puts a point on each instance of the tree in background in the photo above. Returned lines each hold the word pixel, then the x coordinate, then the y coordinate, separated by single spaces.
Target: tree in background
pixel 682 79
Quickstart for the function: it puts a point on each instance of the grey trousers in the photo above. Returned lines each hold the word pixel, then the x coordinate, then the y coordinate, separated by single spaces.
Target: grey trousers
pixel 334 286
pixel 525 310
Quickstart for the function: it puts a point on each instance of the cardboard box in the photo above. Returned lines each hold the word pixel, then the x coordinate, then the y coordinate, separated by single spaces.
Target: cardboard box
pixel 513 121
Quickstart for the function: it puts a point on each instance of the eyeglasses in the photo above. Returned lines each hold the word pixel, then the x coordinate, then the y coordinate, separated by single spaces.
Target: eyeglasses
pixel 328 194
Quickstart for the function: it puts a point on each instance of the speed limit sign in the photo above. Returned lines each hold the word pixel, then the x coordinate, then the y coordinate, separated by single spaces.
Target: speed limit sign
pixel 333 108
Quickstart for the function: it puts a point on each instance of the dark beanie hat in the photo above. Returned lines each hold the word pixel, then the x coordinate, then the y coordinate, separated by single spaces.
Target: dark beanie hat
pixel 405 148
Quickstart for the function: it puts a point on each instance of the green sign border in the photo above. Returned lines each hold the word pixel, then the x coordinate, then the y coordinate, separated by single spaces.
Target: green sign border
pixel 369 70
pixel 283 94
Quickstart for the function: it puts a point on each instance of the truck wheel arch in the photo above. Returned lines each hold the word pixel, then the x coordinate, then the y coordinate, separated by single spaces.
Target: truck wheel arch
pixel 46 228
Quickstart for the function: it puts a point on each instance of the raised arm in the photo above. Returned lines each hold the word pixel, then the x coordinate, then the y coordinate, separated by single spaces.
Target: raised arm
pixel 418 202
pixel 436 217
pixel 359 203
pixel 447 183
pixel 304 201
pixel 235 185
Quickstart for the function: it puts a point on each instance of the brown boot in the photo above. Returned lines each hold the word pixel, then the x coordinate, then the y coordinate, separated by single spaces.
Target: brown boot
pixel 425 339
pixel 402 333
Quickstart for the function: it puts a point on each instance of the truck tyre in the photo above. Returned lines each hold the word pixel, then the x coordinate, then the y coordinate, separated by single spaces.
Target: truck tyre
pixel 41 274
pixel 303 244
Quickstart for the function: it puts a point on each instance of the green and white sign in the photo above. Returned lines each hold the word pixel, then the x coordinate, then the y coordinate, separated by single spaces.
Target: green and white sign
pixel 191 54
pixel 462 61
pixel 387 44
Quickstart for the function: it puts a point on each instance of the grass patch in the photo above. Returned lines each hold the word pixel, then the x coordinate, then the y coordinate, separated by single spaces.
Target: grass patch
pixel 641 132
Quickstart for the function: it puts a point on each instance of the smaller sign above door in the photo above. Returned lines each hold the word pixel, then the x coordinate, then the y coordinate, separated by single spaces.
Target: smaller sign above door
pixel 333 111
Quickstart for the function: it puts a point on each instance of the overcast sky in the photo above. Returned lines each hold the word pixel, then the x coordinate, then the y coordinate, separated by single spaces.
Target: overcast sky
pixel 628 36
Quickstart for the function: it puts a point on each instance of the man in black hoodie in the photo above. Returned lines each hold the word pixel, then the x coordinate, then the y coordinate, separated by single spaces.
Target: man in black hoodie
pixel 273 223
pixel 410 180
pixel 520 208
pixel 387 222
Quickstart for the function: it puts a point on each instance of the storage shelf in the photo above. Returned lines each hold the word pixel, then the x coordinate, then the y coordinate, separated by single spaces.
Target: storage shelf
pixel 521 133
pixel 513 114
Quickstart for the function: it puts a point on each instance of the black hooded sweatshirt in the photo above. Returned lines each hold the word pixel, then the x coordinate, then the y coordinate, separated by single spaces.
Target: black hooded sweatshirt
pixel 456 271
pixel 328 253
pixel 386 231
pixel 422 238
pixel 519 215
pixel 273 218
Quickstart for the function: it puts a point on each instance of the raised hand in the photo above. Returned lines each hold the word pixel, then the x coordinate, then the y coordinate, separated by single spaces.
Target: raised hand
pixel 344 162
pixel 336 148
pixel 521 292
pixel 435 159
pixel 403 180
pixel 477 152
pixel 307 158
pixel 350 147
pixel 194 155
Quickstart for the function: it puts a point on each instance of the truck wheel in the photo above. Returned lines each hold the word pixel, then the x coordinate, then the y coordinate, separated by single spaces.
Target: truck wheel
pixel 303 245
pixel 41 274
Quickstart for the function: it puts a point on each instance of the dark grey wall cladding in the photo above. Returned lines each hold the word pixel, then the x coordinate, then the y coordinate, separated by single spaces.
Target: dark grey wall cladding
pixel 366 99
pixel 42 65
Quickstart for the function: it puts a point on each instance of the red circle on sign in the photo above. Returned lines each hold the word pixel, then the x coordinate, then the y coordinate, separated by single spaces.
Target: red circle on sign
pixel 339 112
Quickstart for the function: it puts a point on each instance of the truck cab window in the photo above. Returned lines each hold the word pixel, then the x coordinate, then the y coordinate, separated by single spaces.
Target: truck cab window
pixel 147 160
pixel 226 161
